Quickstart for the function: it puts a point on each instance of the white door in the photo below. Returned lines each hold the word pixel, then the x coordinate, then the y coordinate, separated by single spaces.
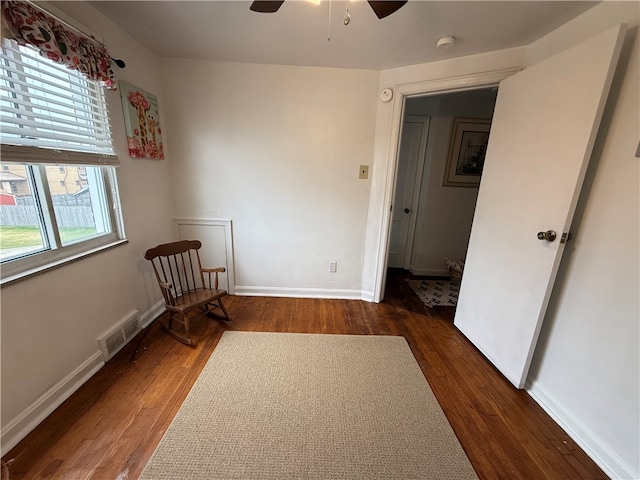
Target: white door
pixel 544 126
pixel 413 142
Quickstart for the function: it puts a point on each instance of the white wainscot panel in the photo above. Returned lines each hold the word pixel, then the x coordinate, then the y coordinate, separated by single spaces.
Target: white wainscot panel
pixel 217 245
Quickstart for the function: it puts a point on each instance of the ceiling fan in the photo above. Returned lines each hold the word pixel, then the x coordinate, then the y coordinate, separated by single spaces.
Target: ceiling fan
pixel 380 8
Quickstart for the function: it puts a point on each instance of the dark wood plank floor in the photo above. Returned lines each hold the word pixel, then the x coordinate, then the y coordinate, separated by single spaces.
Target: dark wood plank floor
pixel 110 427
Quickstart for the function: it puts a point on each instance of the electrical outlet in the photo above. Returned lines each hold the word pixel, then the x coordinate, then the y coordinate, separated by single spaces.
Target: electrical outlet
pixel 333 267
pixel 364 172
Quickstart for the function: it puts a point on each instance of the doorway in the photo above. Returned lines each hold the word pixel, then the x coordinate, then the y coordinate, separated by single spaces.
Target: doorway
pixel 431 221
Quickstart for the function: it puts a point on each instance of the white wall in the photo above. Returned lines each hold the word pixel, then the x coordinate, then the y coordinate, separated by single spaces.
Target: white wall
pixel 277 150
pixel 50 322
pixel 586 368
pixel 444 214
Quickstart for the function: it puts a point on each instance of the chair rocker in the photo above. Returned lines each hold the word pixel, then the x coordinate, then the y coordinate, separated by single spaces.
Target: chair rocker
pixel 182 281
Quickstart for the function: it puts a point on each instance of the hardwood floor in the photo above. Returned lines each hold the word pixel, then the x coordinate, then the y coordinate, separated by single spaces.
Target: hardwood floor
pixel 110 427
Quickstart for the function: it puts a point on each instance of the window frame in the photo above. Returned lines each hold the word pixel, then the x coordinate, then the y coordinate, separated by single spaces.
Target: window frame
pixel 54 253
pixel 36 159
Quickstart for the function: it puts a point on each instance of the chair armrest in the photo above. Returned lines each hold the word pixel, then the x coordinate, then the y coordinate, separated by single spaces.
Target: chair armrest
pixel 216 271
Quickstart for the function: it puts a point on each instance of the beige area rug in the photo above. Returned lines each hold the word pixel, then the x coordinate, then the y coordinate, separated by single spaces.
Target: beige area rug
pixel 310 406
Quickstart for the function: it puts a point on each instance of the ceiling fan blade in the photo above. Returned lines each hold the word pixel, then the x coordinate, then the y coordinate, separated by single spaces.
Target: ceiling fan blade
pixel 266 6
pixel 385 8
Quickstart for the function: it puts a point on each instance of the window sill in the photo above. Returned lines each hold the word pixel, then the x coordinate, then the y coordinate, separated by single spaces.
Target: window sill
pixel 4 281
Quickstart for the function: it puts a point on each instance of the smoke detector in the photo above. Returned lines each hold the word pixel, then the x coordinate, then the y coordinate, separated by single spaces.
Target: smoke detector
pixel 445 42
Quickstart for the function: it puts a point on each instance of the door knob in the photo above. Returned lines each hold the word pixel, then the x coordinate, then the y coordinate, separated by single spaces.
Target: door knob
pixel 549 235
pixel 406 210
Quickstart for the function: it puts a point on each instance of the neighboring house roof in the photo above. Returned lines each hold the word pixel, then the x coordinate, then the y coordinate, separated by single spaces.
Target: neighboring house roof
pixel 11 177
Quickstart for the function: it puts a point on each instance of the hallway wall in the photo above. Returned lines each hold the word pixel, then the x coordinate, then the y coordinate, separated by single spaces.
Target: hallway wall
pixel 445 213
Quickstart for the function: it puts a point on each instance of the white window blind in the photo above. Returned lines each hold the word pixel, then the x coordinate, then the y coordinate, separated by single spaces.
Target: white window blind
pixel 50 114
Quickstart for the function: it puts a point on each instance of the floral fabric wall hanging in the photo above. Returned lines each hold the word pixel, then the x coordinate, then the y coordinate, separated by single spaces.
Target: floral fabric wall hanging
pixel 142 122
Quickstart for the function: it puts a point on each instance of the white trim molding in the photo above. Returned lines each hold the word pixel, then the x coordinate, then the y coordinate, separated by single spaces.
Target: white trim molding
pixel 34 414
pixel 228 236
pixel 429 272
pixel 429 87
pixel 150 315
pixel 253 291
pixel 366 296
pixel 592 444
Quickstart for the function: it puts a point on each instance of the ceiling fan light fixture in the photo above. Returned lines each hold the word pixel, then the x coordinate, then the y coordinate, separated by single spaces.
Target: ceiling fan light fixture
pixel 446 42
pixel 382 8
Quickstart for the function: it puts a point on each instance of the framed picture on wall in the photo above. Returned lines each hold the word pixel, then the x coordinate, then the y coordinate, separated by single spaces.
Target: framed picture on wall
pixel 467 150
pixel 142 122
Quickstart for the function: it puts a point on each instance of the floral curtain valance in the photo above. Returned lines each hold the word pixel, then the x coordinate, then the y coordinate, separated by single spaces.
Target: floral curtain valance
pixel 27 25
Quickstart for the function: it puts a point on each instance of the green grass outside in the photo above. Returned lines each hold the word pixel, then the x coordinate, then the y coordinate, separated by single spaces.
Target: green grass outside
pixel 17 237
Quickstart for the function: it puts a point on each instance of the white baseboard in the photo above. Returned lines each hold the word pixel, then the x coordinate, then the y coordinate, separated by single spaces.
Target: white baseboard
pixel 614 466
pixel 31 417
pixel 368 297
pixel 250 291
pixel 429 272
pixel 150 315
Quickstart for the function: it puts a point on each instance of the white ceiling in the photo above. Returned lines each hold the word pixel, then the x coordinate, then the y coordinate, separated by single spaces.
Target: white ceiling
pixel 298 33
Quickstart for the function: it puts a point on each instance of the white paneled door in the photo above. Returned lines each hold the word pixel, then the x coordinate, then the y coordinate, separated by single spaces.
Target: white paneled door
pixel 544 127
pixel 413 144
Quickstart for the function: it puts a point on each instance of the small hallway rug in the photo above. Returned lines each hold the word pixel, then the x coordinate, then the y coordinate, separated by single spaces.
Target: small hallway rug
pixel 435 293
pixel 310 406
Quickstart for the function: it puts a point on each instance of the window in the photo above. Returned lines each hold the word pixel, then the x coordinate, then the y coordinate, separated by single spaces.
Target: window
pixel 58 191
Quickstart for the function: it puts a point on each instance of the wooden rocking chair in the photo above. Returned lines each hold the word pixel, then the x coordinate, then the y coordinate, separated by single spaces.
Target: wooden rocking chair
pixel 182 281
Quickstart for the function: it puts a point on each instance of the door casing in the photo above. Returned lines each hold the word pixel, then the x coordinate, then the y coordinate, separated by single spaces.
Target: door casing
pixel 402 92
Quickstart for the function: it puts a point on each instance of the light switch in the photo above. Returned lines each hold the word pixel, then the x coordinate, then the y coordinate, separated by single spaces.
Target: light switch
pixel 364 172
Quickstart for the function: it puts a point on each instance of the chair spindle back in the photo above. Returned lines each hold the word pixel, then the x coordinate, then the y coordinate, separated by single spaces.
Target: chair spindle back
pixel 178 264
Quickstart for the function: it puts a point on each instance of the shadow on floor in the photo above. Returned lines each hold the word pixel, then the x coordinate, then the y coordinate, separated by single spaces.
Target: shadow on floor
pixel 399 294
